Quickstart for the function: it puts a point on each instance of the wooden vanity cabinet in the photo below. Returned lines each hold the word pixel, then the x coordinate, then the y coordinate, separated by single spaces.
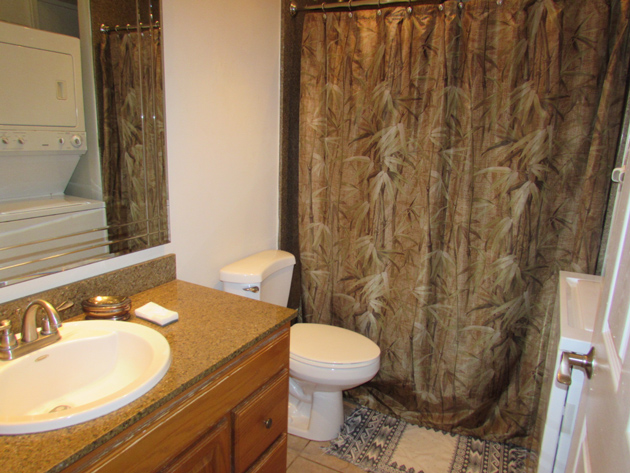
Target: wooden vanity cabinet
pixel 233 421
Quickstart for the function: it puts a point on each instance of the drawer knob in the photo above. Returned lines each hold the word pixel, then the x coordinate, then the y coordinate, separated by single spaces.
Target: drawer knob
pixel 268 423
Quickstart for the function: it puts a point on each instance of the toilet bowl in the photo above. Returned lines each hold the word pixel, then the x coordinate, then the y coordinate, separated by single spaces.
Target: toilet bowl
pixel 324 360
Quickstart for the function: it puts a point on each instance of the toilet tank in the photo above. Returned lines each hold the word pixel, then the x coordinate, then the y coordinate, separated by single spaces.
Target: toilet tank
pixel 264 276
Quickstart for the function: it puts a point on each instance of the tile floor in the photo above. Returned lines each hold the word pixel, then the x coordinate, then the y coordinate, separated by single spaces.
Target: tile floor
pixel 306 456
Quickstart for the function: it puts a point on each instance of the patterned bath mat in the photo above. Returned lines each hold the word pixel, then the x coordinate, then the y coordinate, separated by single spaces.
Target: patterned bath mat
pixel 380 443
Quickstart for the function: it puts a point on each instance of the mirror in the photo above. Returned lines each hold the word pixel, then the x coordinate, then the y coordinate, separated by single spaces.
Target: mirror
pixel 116 199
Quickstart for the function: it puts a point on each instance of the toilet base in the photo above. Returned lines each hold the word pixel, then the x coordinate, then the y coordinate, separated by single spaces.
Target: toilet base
pixel 318 416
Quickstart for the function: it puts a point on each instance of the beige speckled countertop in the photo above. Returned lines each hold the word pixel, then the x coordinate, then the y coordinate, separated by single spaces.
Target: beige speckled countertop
pixel 213 327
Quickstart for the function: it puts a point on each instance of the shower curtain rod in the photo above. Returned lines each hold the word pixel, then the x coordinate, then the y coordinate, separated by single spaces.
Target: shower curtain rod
pixel 350 5
pixel 128 27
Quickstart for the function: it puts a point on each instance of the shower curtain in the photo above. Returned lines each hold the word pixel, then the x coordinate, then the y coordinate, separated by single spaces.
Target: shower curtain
pixel 132 137
pixel 452 161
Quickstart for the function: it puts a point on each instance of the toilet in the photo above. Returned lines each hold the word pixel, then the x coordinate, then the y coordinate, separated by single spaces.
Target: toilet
pixel 324 360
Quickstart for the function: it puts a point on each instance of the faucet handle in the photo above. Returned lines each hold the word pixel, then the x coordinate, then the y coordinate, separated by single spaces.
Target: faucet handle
pixel 7 337
pixel 65 305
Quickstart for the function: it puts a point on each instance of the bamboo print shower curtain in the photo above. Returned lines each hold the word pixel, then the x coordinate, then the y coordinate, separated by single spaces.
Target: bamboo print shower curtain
pixel 452 161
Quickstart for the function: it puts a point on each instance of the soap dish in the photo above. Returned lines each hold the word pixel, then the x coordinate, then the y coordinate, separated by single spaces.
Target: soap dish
pixel 107 307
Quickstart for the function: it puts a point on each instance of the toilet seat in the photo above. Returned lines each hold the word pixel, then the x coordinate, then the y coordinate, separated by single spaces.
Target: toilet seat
pixel 336 366
pixel 331 347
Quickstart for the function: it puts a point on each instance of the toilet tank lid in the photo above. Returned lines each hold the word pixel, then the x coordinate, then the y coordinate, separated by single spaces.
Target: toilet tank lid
pixel 257 267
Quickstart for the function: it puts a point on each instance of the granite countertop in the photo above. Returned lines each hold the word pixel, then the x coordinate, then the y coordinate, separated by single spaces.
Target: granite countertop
pixel 213 327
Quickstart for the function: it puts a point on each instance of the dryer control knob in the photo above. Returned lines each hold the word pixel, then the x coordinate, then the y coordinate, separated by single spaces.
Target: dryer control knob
pixel 77 141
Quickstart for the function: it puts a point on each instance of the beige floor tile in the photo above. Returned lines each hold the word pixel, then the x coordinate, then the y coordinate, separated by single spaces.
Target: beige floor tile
pixel 315 453
pixel 295 443
pixel 302 465
pixel 291 456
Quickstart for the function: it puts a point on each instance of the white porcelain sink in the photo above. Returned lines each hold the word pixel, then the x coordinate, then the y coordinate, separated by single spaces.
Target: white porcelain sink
pixel 96 368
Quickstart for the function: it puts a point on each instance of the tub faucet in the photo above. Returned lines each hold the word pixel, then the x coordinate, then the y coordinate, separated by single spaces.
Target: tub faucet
pixel 32 339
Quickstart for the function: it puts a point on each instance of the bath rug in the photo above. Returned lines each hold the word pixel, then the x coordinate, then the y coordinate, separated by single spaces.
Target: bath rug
pixel 379 443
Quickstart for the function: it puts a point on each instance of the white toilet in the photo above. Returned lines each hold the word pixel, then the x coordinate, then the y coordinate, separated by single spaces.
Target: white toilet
pixel 324 360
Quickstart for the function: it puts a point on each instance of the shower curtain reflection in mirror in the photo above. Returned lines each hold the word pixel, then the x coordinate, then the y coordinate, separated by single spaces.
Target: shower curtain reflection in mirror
pixel 132 138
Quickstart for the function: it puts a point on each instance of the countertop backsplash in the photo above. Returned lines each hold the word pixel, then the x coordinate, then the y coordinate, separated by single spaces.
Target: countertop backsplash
pixel 122 282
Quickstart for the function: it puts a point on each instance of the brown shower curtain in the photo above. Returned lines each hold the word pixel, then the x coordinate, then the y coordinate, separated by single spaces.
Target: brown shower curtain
pixel 452 162
pixel 132 137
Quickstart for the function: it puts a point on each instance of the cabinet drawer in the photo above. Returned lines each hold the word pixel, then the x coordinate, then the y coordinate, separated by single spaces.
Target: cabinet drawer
pixel 274 460
pixel 259 421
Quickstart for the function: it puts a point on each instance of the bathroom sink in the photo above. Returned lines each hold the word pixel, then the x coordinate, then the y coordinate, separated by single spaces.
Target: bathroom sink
pixel 96 368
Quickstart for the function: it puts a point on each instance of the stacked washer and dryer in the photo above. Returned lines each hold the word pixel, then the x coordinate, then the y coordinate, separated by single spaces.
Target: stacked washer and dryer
pixel 42 138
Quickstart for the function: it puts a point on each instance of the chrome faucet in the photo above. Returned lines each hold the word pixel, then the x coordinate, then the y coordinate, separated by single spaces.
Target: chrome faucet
pixel 50 323
pixel 32 339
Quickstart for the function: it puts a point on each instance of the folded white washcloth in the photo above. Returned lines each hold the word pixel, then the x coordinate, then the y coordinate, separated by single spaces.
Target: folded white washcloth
pixel 156 313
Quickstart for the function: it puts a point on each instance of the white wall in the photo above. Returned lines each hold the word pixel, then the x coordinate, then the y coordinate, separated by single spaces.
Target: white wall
pixel 222 69
pixel 222 118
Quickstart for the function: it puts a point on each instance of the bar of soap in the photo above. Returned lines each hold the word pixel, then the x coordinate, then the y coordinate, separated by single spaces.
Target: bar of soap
pixel 156 313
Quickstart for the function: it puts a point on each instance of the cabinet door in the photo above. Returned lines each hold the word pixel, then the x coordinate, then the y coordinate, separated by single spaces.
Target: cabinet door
pixel 211 454
pixel 260 420
pixel 274 460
